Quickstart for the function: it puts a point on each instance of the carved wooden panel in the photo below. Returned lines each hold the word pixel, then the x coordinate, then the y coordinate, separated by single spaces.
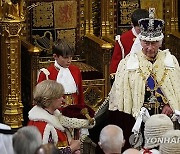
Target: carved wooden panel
pixel 51 20
pixel 96 17
pixel 94 92
pixel 43 15
pixel 69 35
pixel 125 9
pixel 146 4
pixel 174 46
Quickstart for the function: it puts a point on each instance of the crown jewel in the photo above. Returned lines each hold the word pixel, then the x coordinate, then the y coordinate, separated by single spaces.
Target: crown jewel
pixel 151 28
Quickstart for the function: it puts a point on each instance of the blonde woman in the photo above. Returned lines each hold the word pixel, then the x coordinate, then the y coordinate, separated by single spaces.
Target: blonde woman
pixel 48 97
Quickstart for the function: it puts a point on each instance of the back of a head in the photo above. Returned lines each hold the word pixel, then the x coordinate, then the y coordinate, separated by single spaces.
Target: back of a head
pixel 26 140
pixel 137 15
pixel 47 149
pixel 131 151
pixel 155 127
pixel 170 143
pixel 111 139
pixel 62 48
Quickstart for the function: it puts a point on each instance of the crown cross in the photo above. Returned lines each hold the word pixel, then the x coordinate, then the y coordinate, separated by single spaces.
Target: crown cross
pixel 151 13
pixel 151 21
pixel 151 28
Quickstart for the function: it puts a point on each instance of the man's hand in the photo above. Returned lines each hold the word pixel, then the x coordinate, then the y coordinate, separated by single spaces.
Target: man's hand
pixel 167 110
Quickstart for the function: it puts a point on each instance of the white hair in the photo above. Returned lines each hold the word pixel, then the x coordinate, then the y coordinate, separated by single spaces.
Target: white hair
pixel 26 140
pixel 111 139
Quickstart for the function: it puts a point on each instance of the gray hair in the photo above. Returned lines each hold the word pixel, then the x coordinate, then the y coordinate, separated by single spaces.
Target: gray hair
pixel 111 139
pixel 170 142
pixel 48 148
pixel 26 140
pixel 155 127
pixel 46 91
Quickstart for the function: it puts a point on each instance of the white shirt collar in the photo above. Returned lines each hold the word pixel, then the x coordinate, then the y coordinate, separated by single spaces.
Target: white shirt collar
pixel 134 32
pixel 66 79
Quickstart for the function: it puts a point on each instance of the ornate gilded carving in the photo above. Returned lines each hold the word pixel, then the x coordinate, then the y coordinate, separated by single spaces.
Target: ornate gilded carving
pixel 43 15
pixel 44 42
pixel 84 67
pixel 111 18
pixel 88 17
pixel 65 14
pixel 167 15
pixel 97 54
pixel 174 46
pixel 46 61
pixel 96 17
pixel 12 29
pixel 172 33
pixel 11 73
pixel 11 9
pixel 174 15
pixel 146 4
pixel 126 7
pixel 81 19
pixel 94 92
pixel 124 11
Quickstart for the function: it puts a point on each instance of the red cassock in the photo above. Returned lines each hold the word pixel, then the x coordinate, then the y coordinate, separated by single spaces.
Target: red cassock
pixel 127 40
pixel 78 96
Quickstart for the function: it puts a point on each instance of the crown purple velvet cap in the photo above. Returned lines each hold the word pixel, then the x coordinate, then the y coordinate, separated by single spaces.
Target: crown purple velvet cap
pixel 151 28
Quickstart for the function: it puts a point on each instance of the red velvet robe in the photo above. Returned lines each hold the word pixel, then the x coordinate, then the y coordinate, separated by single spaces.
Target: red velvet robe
pixel 78 97
pixel 42 126
pixel 127 39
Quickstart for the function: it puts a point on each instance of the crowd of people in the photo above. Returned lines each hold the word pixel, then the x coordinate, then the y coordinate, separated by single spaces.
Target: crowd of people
pixel 145 89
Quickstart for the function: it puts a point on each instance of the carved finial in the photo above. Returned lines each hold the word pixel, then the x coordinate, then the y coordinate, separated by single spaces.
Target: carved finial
pixel 85 112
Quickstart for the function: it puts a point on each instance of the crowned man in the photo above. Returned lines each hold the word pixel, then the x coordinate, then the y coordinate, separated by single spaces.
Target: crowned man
pixel 148 78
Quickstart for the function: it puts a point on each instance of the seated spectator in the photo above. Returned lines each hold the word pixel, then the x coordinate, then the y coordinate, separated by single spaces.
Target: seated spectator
pixel 54 127
pixel 131 151
pixel 26 140
pixel 6 139
pixel 155 127
pixel 170 143
pixel 111 139
pixel 47 149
